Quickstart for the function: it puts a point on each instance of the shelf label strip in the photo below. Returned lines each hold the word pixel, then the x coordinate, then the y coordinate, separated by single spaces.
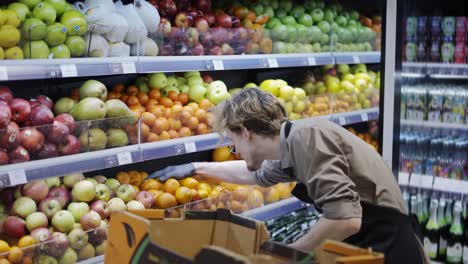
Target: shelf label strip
pixel 273 62
pixel 190 147
pixel 124 158
pixel 128 67
pixel 68 70
pixel 3 73
pixel 218 65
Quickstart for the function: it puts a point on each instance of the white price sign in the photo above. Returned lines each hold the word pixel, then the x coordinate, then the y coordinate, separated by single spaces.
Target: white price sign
pixel 364 117
pixel 128 67
pixel 124 158
pixel 403 178
pixel 190 147
pixel 3 74
pixel 342 120
pixel 426 181
pixel 273 63
pixel 415 180
pixel 356 59
pixel 68 70
pixel 311 61
pixel 17 177
pixel 218 65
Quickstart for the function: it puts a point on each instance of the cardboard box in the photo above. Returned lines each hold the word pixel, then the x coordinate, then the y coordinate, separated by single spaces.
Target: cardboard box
pixel 200 237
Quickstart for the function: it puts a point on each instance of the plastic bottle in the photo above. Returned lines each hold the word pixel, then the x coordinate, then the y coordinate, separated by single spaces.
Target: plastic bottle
pixel 432 234
pixel 455 239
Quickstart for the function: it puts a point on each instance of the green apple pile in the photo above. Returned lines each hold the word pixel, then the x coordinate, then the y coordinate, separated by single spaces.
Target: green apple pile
pixel 313 26
pixel 41 29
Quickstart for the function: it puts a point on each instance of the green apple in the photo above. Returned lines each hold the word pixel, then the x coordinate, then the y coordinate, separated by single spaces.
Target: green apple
pixel 324 27
pixel 332 87
pixel 250 85
pixel 218 95
pixel 172 82
pixel 181 80
pixel 317 15
pixel 341 21
pixel 288 106
pixel 272 22
pixel 183 88
pixel 30 3
pixel 280 32
pixel 59 6
pixel 359 68
pixel 126 192
pixel 36 50
pixel 76 45
pixel 328 15
pixel 197 92
pixel 192 73
pixel 234 91
pixel 300 93
pixel 45 12
pixel 291 47
pixel 306 20
pixel 21 9
pixel 297 11
pixel 286 92
pixel 194 80
pixel 63 221
pixel 216 85
pixel 271 86
pixel 33 29
pixel 78 209
pixel 286 5
pixel 310 88
pixel 269 11
pixel 157 80
pixel 291 34
pixel 343 68
pixel 84 191
pixel 280 13
pixel 349 77
pixel 360 84
pixel 289 20
pixel 60 52
pixel 56 34
pixel 299 107
pixel 258 9
pixel 75 22
pixel 347 86
pixel 112 184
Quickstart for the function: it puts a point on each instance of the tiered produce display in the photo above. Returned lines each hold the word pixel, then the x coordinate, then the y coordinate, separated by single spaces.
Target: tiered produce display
pixel 36 29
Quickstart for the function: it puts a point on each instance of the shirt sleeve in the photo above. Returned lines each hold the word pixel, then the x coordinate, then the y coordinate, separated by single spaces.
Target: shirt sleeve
pixel 271 173
pixel 324 170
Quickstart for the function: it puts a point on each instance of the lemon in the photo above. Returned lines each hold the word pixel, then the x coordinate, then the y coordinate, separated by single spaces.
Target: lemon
pixel 14 53
pixel 2 54
pixel 9 36
pixel 12 18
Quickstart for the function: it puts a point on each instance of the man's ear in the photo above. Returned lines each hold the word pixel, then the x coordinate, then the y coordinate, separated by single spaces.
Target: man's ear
pixel 246 134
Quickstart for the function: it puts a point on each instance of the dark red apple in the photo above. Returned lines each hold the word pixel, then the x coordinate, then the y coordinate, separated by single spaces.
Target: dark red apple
pixel 178 35
pixel 201 24
pixel 227 49
pixel 207 78
pixel 57 132
pixel 166 50
pixel 100 207
pixel 14 226
pixel 5 116
pixel 165 27
pixel 70 146
pixel 3 157
pixel 58 245
pixel 202 5
pixel 181 49
pixel 198 50
pixel 183 5
pixel 219 12
pixel 9 138
pixel 7 196
pixel 18 155
pixel 220 35
pixel 240 49
pixel 167 8
pixel 61 194
pixel 34 103
pixel 216 50
pixel 193 36
pixel 235 22
pixel 98 236
pixel 210 18
pixel 66 119
pixel 183 20
pixel 6 94
pixel 224 20
pixel 36 190
pixel 20 110
pixel 45 101
pixel 49 150
pixel 207 39
pixel 31 139
pixel 41 115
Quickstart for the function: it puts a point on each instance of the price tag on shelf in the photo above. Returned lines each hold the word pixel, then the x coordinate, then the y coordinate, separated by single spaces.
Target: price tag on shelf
pixel 444 184
pixel 68 70
pixel 17 177
pixel 311 61
pixel 218 65
pixel 342 121
pixel 415 180
pixel 3 74
pixel 356 59
pixel 124 158
pixel 128 67
pixel 427 181
pixel 464 188
pixel 273 63
pixel 403 178
pixel 190 147
pixel 364 117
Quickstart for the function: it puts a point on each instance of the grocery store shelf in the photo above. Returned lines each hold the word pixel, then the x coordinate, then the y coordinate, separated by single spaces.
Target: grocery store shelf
pixel 435 70
pixel 173 147
pixel 354 117
pixel 82 67
pixel 95 260
pixel 431 182
pixel 437 125
pixel 276 209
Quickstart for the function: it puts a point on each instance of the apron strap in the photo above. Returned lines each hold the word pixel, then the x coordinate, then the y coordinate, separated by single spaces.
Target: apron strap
pixel 287 128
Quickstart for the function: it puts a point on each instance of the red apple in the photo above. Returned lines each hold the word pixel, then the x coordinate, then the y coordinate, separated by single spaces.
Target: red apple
pixel 66 119
pixel 3 157
pixel 34 102
pixel 210 18
pixel 41 115
pixel 20 110
pixel 219 12
pixel 6 94
pixel 167 8
pixel 7 196
pixel 235 22
pixel 207 39
pixel 166 50
pixel 61 194
pixel 165 27
pixel 202 5
pixel 145 198
pixel 58 245
pixel 5 115
pixel 44 100
pixel 178 35
pixel 201 24
pixel 183 5
pixel 198 50
pixel 243 34
pixel 99 235
pixel 9 138
pixel 70 146
pixel 227 49
pixel 41 234
pixel 90 220
pixel 183 20
pixel 18 154
pixel 100 207
pixel 181 49
pixel 224 20
pixel 14 226
pixel 36 190
pixel 49 150
pixel 193 36
pixel 216 50
pixel 219 35
pixel 49 206
pixel 31 139
pixel 207 78
pixel 57 132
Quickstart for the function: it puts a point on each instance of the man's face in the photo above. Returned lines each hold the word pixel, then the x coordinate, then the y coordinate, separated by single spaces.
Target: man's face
pixel 247 147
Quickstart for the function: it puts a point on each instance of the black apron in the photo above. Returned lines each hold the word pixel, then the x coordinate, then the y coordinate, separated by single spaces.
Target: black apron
pixel 383 229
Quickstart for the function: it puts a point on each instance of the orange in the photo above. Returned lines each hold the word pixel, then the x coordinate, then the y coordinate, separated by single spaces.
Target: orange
pixel 241 194
pixel 193 123
pixel 195 196
pixel 157 111
pixel 132 100
pixel 272 195
pixel 26 241
pixel 262 19
pixel 219 188
pixel 171 185
pixel 185 132
pixel 151 103
pixel 251 16
pixel 205 104
pixel 160 124
pixel 145 130
pixel 113 95
pixel 27 260
pixel 194 106
pixel 152 137
pixel 123 177
pixel 167 112
pixel 176 110
pixel 151 184
pixel 155 193
pixel 164 135
pixel 173 134
pixel 178 103
pixel 123 97
pixel 204 186
pixel 255 199
pixel 167 102
pixel 143 98
pixel 183 195
pixel 15 254
pixel 214 193
pixel 183 98
pixel 221 154
pixel 165 200
pixel 155 94
pixel 266 45
pixel 185 117
pixel 132 90
pixel 174 124
pixel 148 118
pixel 200 114
pixel 118 88
pixel 4 261
pixel 203 193
pixel 202 129
pixel 172 95
pixel 143 175
pixel 189 109
pixel 190 183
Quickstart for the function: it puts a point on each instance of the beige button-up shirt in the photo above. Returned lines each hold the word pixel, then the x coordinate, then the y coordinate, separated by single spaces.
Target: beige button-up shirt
pixel 338 168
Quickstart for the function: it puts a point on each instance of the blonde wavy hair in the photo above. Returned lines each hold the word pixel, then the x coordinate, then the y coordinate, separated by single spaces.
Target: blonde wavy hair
pixel 252 108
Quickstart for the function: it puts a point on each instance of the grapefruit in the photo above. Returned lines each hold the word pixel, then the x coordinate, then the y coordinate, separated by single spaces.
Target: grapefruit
pixel 183 195
pixel 165 200
pixel 171 185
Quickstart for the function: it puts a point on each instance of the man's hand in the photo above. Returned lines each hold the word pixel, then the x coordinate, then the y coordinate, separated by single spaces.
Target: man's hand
pixel 177 172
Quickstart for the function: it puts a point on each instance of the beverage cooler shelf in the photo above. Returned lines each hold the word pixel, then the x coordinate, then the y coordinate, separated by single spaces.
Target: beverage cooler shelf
pixel 82 67
pixel 20 173
pixel 434 70
pixel 434 183
pixel 438 125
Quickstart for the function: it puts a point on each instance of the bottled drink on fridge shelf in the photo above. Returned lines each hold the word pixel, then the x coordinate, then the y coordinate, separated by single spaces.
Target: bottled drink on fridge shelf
pixel 444 229
pixel 455 238
pixel 432 234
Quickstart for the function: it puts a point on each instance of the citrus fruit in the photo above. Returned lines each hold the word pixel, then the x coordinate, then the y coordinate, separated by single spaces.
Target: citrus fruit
pixel 151 184
pixel 190 183
pixel 165 200
pixel 123 177
pixel 272 195
pixel 221 154
pixel 171 185
pixel 15 254
pixel 183 195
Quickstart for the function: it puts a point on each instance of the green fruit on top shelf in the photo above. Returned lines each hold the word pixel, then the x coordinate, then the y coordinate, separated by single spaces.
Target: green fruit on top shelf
pixel 33 29
pixel 306 20
pixel 328 15
pixel 116 137
pixel 9 36
pixel 269 11
pixel 21 10
pixel 183 88
pixel 60 52
pixel 93 88
pixel 76 45
pixel 194 80
pixel 324 26
pixel 341 21
pixel 45 12
pixel 59 6
pixel 291 34
pixel 11 17
pixel 317 15
pixel 280 13
pixel 297 11
pixel 258 9
pixel 36 50
pixel 197 93
pixel 280 32
pixel 288 20
pixel 272 22
pixel 343 68
pixel 274 4
pixel 192 73
pixel 181 80
pixel 92 140
pixel 172 82
pixel 56 34
pixel 354 15
pixel 63 105
pixel 279 47
pixel 286 5
pixel 75 22
pixel 30 3
pixel 157 80
pixel 89 109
